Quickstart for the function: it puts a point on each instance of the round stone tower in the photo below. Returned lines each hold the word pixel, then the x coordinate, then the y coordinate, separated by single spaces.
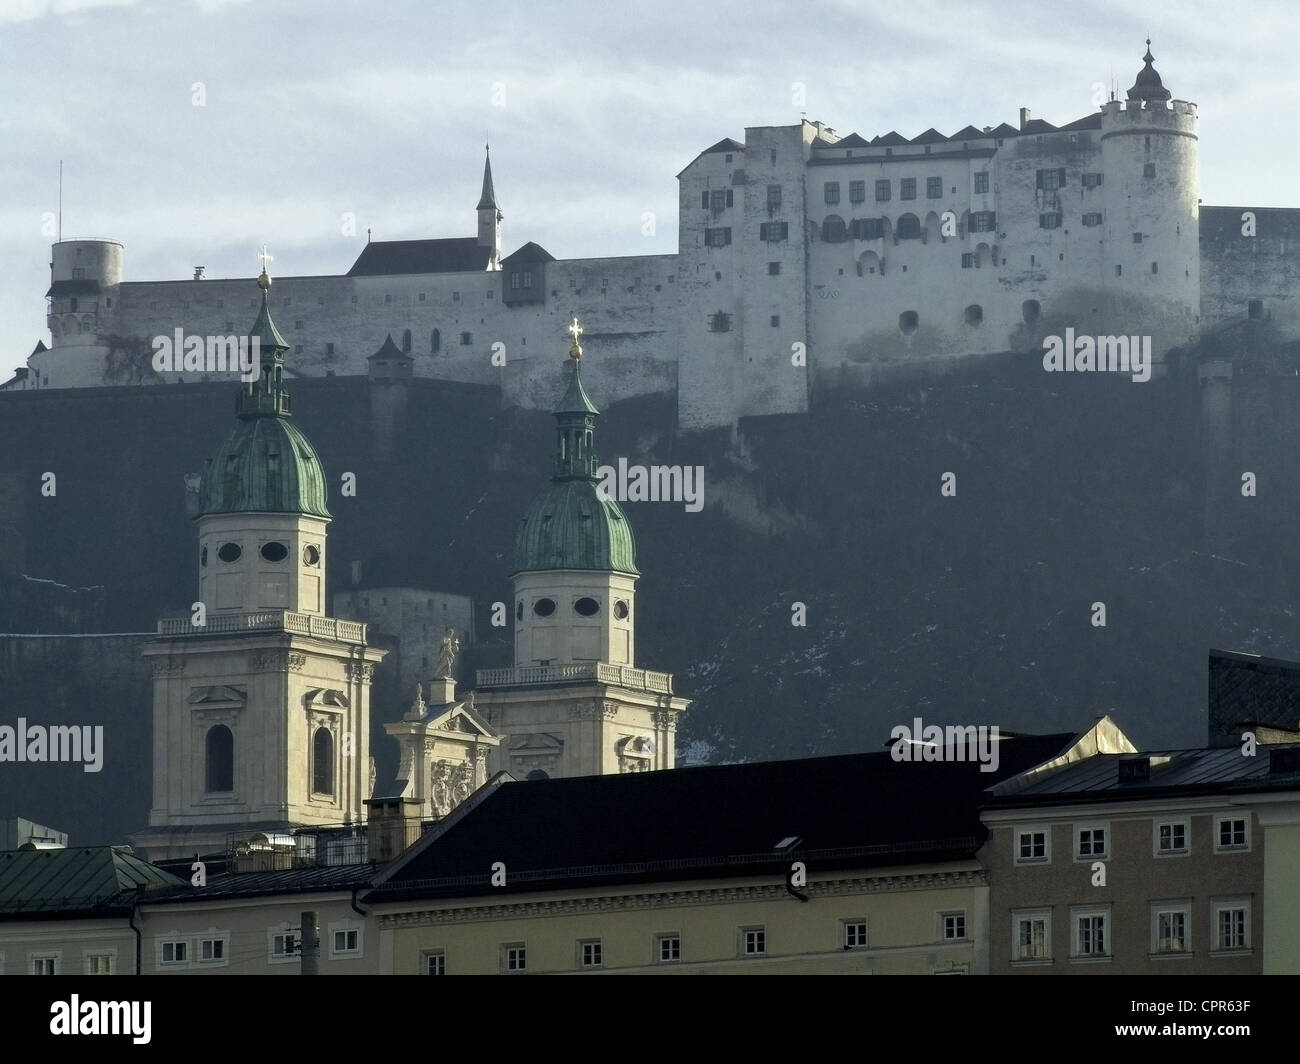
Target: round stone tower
pixel 1151 261
pixel 84 279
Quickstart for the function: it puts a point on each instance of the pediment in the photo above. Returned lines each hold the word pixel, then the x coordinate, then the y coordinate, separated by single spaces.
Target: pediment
pixel 218 696
pixel 326 697
pixel 536 742
pixel 460 718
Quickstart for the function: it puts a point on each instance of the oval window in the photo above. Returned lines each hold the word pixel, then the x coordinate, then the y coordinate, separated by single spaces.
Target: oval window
pixel 274 552
pixel 588 607
pixel 311 555
pixel 203 556
pixel 544 607
pixel 229 552
pixel 620 609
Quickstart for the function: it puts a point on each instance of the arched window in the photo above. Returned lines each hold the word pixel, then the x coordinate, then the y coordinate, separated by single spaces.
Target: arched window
pixel 538 774
pixel 834 231
pixel 219 758
pixel 322 762
pixel 435 342
pixel 406 341
pixel 909 227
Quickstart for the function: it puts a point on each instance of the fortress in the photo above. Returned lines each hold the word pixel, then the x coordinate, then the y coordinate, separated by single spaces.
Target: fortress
pixel 806 260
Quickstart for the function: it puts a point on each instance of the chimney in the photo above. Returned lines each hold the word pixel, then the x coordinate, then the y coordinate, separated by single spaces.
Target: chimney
pixel 394 824
pixel 198 272
pixel 1024 117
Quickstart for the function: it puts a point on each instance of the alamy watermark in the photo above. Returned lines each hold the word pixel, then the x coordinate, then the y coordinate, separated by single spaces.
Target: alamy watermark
pixel 637 483
pixel 58 742
pixel 207 354
pixel 931 742
pixel 1098 354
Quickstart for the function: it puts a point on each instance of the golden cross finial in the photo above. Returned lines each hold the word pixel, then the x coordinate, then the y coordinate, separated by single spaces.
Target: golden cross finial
pixel 265 258
pixel 574 330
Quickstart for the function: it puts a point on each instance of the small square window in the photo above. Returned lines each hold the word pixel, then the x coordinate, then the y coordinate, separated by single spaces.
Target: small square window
pixel 466 339
pixel 212 950
pixel 753 941
pixel 99 964
pixel 668 948
pixel 347 941
pixel 1171 837
pixel 285 944
pixel 854 934
pixel 589 953
pixel 776 320
pixel 954 926
pixel 1031 846
pixel 435 962
pixel 1231 929
pixel 176 952
pixel 967 260
pixel 45 964
pixel 773 268
pixel 1091 842
pixel 1091 932
pixel 1232 833
pixel 514 957
pixel 1149 170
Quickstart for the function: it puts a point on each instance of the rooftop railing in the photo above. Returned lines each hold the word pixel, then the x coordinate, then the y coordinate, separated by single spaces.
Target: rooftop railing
pixel 267 620
pixel 598 671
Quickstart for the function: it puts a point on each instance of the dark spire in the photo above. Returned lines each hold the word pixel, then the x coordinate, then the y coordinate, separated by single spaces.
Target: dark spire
pixel 1148 85
pixel 575 422
pixel 489 197
pixel 265 396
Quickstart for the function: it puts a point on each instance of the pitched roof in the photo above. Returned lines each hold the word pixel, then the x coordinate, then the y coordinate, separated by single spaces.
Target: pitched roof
pixel 853 140
pixel 889 140
pixel 1004 130
pixel 101 878
pixel 854 810
pixel 1092 121
pixel 1037 125
pixel 969 133
pixel 1249 689
pixel 40 346
pixel 449 255
pixel 82 286
pixel 390 350
pixel 725 144
pixel 1212 770
pixel 530 252
pixel 282 881
pixel 930 136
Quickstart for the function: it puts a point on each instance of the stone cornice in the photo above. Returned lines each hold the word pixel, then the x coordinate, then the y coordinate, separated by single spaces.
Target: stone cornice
pixel 673 898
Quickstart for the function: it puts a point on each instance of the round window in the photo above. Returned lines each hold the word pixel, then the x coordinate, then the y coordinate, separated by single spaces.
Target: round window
pixel 203 556
pixel 229 552
pixel 620 609
pixel 544 607
pixel 274 552
pixel 311 555
pixel 588 607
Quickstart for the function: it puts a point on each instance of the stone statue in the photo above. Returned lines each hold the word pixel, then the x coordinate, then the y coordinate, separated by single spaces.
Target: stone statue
pixel 418 708
pixel 462 782
pixel 373 774
pixel 447 651
pixel 440 789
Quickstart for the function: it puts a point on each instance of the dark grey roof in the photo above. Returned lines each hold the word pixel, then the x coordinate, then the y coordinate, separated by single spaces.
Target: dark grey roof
pixel 1210 770
pixel 969 133
pixel 40 346
pixel 84 879
pixel 390 350
pixel 530 252
pixel 1004 130
pixel 1092 121
pixel 891 139
pixel 284 881
pixel 930 136
pixel 851 811
pixel 1037 125
pixel 449 255
pixel 1249 689
pixel 725 144
pixel 853 140
pixel 80 287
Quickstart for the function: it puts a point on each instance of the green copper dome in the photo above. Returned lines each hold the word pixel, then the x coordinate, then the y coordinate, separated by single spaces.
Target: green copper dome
pixel 265 464
pixel 569 526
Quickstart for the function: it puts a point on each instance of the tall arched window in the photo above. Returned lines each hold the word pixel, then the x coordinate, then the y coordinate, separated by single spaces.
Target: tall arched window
pixel 219 759
pixel 435 342
pixel 406 341
pixel 322 762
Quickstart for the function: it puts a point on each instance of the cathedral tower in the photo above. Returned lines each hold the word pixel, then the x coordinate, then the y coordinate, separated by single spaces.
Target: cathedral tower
pixel 261 702
pixel 574 704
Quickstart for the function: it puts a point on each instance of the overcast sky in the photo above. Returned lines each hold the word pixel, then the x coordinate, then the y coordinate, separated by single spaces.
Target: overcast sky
pixel 314 109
